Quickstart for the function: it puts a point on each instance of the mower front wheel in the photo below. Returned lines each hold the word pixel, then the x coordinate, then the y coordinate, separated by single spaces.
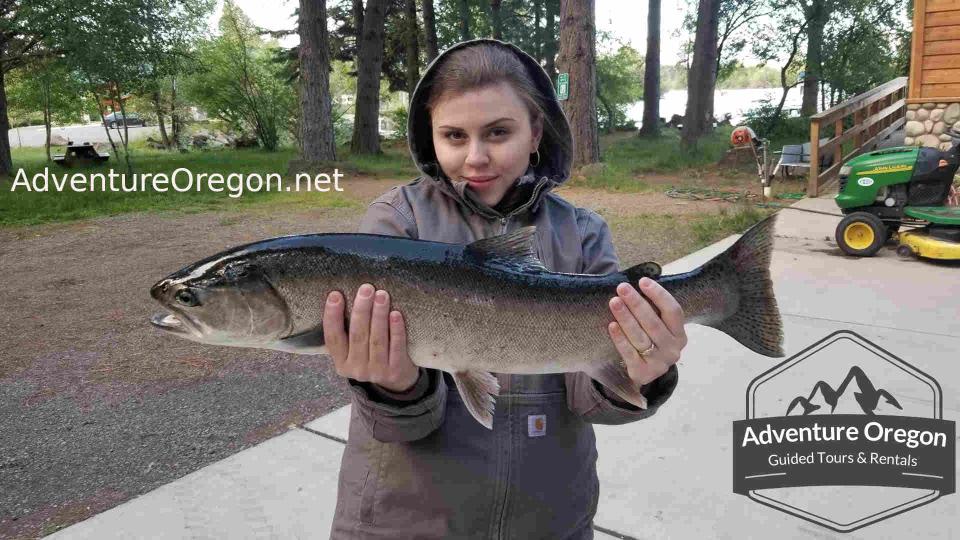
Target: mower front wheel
pixel 861 234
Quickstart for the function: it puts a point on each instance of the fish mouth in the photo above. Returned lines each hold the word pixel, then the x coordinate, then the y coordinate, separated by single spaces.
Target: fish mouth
pixel 168 322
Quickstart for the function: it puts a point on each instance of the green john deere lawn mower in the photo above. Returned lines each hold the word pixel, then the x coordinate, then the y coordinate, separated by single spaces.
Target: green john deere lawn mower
pixel 902 191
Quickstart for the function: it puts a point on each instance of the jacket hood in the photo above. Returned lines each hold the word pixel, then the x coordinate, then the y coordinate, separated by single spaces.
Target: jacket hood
pixel 556 151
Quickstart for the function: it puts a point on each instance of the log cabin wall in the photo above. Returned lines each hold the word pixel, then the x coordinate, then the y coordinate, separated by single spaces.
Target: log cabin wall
pixel 933 104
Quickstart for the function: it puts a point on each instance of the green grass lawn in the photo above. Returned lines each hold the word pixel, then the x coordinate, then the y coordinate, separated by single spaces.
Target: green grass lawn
pixel 22 207
pixel 625 156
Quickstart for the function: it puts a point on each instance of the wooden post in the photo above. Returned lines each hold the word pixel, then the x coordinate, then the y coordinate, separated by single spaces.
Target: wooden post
pixel 858 125
pixel 916 48
pixel 837 132
pixel 813 183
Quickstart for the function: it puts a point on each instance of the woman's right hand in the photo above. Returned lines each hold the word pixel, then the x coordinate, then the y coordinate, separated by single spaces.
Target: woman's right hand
pixel 376 349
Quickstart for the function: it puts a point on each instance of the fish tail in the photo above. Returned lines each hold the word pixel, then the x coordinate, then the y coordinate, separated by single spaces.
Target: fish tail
pixel 756 324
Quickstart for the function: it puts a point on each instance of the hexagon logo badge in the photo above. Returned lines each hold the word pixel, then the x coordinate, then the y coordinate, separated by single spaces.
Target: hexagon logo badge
pixel 844 434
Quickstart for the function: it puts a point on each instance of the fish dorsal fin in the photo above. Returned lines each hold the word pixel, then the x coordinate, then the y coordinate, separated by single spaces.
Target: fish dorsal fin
pixel 478 388
pixel 514 249
pixel 648 269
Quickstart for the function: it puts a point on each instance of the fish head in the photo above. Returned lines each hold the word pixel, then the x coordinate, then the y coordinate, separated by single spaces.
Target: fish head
pixel 222 303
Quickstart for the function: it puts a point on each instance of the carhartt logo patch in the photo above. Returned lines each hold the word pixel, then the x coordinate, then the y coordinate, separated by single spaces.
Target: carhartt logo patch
pixel 536 425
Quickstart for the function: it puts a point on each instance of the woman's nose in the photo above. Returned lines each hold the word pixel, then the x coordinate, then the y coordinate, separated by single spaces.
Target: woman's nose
pixel 477 155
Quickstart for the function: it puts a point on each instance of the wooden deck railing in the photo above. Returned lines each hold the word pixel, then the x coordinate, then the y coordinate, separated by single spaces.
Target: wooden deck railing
pixel 876 114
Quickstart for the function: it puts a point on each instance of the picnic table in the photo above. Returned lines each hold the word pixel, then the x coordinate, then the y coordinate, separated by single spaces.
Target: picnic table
pixel 80 154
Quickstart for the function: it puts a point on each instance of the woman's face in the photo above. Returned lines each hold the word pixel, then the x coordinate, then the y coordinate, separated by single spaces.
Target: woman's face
pixel 485 137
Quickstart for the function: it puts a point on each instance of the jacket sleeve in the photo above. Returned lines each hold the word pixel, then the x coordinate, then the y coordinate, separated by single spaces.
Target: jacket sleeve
pixel 414 414
pixel 585 396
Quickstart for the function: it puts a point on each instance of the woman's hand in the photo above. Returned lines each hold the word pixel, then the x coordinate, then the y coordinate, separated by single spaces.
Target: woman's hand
pixel 638 328
pixel 376 350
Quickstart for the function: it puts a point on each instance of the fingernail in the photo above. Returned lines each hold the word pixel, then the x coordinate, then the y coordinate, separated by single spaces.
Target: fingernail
pixel 381 297
pixel 623 288
pixel 333 298
pixel 646 282
pixel 366 290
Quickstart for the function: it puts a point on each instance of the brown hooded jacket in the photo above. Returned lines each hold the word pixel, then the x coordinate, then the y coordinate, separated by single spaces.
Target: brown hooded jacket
pixel 417 465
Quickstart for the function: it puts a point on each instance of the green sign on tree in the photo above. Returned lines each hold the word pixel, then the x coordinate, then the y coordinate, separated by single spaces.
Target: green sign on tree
pixel 563 86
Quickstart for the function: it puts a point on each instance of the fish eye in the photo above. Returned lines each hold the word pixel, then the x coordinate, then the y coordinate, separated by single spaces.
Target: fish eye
pixel 187 298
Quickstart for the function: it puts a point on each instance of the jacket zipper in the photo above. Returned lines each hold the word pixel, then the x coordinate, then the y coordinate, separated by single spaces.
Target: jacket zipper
pixel 506 488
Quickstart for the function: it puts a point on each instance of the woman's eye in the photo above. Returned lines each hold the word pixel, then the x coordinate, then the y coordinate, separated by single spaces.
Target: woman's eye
pixel 454 136
pixel 498 132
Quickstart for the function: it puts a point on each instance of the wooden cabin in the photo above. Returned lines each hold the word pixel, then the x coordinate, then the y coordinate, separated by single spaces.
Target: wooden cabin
pixel 933 95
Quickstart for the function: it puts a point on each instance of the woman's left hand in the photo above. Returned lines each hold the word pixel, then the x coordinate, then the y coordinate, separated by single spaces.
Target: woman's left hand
pixel 638 327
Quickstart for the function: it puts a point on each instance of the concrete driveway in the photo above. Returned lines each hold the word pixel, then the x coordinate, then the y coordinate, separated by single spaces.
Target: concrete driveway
pixel 666 477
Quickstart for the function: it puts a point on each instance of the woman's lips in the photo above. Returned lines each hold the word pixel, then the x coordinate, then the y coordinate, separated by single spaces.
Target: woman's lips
pixel 479 180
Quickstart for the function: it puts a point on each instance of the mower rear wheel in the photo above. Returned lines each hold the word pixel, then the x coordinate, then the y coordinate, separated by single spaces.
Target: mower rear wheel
pixel 861 234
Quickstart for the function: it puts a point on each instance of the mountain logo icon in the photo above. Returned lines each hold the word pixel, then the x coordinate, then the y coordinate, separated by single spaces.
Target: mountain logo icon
pixel 868 396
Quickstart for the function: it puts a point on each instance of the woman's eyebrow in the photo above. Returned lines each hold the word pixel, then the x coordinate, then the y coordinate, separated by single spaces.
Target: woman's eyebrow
pixel 505 118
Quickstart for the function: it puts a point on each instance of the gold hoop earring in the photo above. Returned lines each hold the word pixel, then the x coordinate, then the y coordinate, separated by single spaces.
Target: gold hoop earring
pixel 538 158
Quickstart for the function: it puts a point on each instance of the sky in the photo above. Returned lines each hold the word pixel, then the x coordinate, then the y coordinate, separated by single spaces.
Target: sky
pixel 626 19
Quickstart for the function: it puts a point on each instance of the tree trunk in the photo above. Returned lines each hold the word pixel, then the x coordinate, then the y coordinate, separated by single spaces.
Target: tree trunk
pixel 125 139
pixel 537 32
pixel 496 18
pixel 158 107
pixel 464 7
pixel 430 29
pixel 578 58
pixel 6 160
pixel 176 125
pixel 96 99
pixel 651 73
pixel 366 120
pixel 316 122
pixel 46 116
pixel 550 44
pixel 817 18
pixel 610 113
pixel 701 81
pixel 413 47
pixel 795 45
pixel 358 21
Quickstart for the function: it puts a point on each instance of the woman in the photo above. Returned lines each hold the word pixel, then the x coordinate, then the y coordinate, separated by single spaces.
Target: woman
pixel 487 131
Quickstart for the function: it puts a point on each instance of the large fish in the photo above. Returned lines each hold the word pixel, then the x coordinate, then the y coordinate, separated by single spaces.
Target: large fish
pixel 488 306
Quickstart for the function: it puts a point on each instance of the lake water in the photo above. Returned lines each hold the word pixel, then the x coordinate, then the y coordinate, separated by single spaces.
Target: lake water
pixel 733 101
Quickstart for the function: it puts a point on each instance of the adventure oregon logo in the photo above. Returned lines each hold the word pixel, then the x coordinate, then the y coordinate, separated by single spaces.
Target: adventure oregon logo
pixel 844 434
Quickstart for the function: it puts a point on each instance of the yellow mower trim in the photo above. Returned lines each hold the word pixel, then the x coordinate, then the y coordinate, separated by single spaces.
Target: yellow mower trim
pixel 927 246
pixel 858 235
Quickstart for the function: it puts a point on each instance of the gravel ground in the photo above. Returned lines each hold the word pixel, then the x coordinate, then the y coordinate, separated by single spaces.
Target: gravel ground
pixel 98 407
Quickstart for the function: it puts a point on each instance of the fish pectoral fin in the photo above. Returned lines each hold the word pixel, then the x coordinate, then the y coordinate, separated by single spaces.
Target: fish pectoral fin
pixel 478 388
pixel 612 375
pixel 310 340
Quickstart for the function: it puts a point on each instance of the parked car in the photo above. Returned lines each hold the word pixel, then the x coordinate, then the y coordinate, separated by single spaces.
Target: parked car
pixel 113 120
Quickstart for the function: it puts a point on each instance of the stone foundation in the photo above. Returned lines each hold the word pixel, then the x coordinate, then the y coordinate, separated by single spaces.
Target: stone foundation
pixel 928 123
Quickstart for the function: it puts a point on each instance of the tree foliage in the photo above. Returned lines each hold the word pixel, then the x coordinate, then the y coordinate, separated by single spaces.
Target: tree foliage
pixel 46 83
pixel 619 84
pixel 241 82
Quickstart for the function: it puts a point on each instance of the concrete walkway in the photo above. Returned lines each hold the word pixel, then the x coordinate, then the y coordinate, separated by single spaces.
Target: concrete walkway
pixel 665 477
